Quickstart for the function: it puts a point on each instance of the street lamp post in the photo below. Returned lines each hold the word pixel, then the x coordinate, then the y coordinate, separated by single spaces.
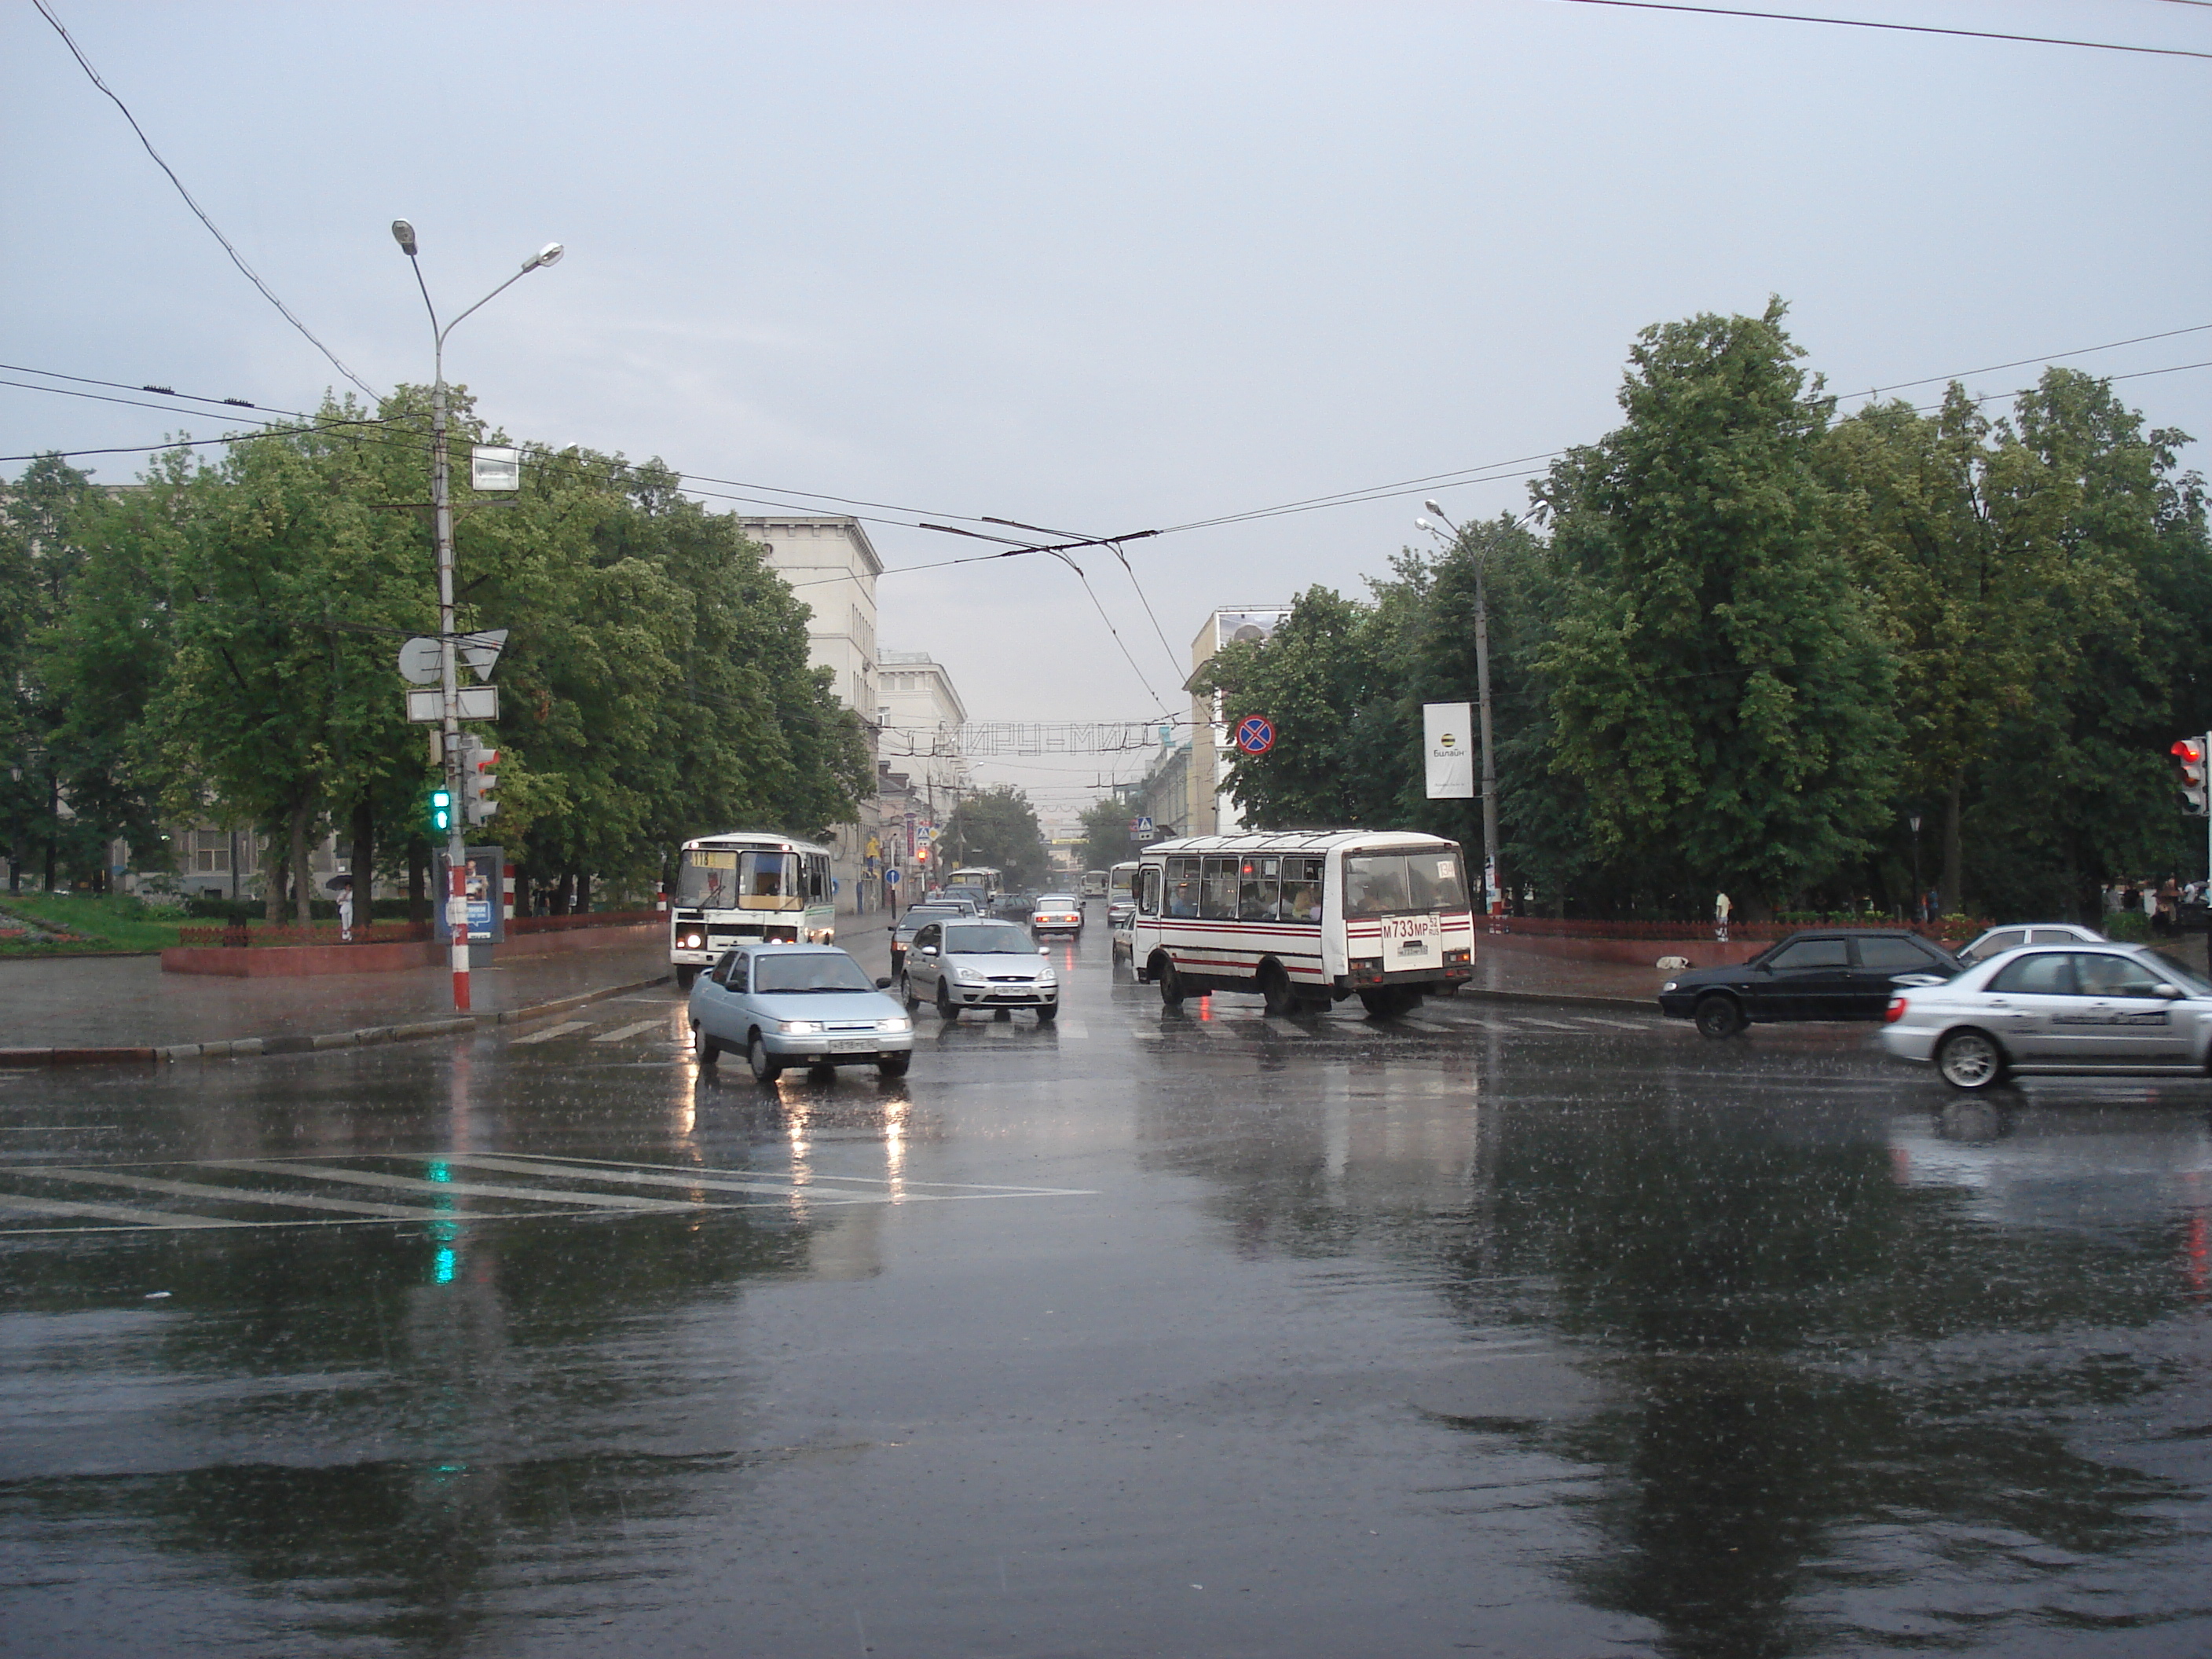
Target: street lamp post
pixel 441 516
pixel 1482 691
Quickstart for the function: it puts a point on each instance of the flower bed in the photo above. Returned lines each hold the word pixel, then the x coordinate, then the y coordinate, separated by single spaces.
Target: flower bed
pixel 587 918
pixel 381 932
pixel 1756 931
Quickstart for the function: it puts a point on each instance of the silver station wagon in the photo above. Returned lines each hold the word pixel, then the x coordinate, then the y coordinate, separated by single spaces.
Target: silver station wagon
pixel 2084 1010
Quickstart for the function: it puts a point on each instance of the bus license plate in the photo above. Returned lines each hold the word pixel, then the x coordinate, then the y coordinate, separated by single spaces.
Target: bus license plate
pixel 1412 932
pixel 851 1045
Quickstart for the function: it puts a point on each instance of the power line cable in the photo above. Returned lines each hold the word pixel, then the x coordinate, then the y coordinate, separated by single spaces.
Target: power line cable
pixel 236 258
pixel 1902 28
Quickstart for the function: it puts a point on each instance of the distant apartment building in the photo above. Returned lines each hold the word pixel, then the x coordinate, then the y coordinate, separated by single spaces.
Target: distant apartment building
pixel 922 715
pixel 1209 809
pixel 832 570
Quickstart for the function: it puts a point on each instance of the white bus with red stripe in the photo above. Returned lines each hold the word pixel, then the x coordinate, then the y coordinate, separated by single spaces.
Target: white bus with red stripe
pixel 1304 918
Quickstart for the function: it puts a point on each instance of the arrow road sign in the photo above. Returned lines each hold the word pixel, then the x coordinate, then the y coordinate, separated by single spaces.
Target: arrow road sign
pixel 1256 736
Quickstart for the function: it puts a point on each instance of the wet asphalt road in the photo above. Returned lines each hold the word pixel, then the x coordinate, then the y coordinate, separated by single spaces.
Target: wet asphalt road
pixel 1511 1330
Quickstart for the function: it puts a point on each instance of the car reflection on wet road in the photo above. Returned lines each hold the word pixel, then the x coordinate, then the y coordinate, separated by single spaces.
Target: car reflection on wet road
pixel 1510 1328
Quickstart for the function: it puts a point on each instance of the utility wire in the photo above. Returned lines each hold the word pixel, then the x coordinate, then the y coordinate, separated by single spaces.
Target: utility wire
pixel 1902 28
pixel 236 258
pixel 1175 663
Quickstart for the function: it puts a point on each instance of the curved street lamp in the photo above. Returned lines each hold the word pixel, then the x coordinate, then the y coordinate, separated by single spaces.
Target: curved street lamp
pixel 441 510
pixel 1489 892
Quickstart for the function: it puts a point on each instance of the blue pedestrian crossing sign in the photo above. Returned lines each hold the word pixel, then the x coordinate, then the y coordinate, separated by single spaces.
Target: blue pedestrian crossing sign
pixel 1256 736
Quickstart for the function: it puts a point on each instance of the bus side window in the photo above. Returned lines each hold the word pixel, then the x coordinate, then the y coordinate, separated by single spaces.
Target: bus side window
pixel 1302 890
pixel 1256 887
pixel 1148 891
pixel 1218 893
pixel 1182 887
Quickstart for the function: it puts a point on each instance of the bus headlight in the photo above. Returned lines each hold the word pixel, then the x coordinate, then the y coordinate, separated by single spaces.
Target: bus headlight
pixel 800 1027
pixel 691 941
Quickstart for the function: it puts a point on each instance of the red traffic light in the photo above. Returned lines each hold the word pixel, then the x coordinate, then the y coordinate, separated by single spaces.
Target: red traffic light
pixel 2188 751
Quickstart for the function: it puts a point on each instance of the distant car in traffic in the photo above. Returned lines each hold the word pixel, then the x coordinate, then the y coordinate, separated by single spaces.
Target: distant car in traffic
pixel 917 918
pixel 1998 940
pixel 798 1004
pixel 1849 974
pixel 1014 906
pixel 1056 913
pixel 2098 1009
pixel 961 964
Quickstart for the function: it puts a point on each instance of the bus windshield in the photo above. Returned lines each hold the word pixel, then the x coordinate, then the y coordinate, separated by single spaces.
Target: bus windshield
pixel 1381 884
pixel 725 879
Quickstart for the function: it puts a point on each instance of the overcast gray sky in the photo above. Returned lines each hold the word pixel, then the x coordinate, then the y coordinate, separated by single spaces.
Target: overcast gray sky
pixel 1102 267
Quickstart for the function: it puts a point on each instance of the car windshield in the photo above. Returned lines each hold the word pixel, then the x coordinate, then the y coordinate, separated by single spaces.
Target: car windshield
pixel 809 970
pixel 984 939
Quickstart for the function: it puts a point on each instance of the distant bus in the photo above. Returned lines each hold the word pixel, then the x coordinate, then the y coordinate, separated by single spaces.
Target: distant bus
pixel 744 885
pixel 975 875
pixel 1304 919
pixel 1094 883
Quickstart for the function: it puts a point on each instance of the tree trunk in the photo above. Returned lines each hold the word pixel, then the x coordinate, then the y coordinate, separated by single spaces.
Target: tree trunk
pixel 364 863
pixel 418 877
pixel 272 888
pixel 1953 892
pixel 583 894
pixel 563 889
pixel 303 878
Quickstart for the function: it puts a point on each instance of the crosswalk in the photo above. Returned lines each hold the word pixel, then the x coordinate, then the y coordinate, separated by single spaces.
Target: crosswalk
pixel 440 1187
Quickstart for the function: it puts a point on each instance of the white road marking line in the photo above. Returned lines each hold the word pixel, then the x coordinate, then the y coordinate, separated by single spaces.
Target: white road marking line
pixel 552 1032
pixel 1072 1028
pixel 622 1032
pixel 1550 1025
pixel 812 1177
pixel 653 1178
pixel 105 1211
pixel 233 1195
pixel 1618 1025
pixel 459 1188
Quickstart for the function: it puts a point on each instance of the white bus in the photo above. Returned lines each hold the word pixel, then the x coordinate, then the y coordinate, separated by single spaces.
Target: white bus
pixel 1094 883
pixel 742 886
pixel 975 875
pixel 1305 918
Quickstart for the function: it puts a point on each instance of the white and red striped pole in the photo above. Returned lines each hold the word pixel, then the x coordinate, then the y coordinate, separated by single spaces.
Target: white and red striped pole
pixel 457 921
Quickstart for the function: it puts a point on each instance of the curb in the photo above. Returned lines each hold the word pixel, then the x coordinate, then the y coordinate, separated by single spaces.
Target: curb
pixel 362 1038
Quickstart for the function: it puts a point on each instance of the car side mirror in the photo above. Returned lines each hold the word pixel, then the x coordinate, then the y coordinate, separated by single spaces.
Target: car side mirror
pixel 929 950
pixel 884 983
pixel 2171 993
pixel 1044 950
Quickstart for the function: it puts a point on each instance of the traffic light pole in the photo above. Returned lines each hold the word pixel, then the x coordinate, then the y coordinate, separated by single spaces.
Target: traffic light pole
pixel 449 672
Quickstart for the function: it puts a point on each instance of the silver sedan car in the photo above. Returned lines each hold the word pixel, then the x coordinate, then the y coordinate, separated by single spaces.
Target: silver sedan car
pixel 798 1004
pixel 2116 1009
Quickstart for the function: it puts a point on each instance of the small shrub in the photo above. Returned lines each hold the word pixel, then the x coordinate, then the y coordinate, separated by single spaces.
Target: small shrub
pixel 2127 927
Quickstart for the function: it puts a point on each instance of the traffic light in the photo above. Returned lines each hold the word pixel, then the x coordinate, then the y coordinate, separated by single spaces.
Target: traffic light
pixel 442 812
pixel 2189 757
pixel 478 776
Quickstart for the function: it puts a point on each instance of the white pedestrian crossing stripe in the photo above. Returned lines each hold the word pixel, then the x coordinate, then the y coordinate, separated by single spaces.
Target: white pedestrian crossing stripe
pixel 438 1188
pixel 622 1032
pixel 552 1032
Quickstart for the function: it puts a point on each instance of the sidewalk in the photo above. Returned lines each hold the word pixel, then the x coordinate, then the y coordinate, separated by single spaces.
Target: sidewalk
pixel 120 1008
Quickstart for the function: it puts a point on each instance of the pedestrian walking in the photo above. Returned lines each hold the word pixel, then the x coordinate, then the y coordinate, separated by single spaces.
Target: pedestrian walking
pixel 1723 906
pixel 345 914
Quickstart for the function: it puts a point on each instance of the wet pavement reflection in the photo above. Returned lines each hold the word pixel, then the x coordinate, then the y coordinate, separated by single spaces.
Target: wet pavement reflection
pixel 1502 1329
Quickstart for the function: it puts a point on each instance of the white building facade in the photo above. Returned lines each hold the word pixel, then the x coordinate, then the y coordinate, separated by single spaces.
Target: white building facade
pixel 1211 810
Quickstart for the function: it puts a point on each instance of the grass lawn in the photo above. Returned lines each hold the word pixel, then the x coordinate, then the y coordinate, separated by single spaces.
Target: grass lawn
pixel 95 922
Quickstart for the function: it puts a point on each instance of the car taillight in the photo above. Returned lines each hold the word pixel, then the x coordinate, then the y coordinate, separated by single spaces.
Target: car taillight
pixel 1896 1011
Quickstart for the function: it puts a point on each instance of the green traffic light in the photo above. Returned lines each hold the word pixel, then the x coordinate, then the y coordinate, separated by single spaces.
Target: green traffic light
pixel 441 809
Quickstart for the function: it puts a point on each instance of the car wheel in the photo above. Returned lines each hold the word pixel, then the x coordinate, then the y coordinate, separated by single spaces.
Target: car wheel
pixel 684 976
pixel 704 1048
pixel 766 1066
pixel 894 1065
pixel 1047 1012
pixel 1970 1060
pixel 907 995
pixel 947 1009
pixel 1171 984
pixel 1719 1016
pixel 1276 992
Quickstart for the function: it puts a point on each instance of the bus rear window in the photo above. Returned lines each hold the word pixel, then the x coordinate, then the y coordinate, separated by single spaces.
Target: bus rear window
pixel 1380 883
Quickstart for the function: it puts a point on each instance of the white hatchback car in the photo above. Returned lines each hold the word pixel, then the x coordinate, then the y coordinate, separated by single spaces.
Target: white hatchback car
pixel 2082 1009
pixel 958 965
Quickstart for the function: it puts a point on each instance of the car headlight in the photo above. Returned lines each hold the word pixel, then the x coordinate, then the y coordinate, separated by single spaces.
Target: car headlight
pixel 800 1027
pixel 896 1023
pixel 1048 977
pixel 968 976
pixel 1668 986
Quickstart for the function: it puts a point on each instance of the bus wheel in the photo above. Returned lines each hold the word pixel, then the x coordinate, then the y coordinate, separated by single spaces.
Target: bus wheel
pixel 1170 981
pixel 1276 992
pixel 1389 1001
pixel 684 976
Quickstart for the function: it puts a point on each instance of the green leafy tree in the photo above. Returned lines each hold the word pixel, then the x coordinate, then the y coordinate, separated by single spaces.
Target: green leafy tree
pixel 1105 833
pixel 999 827
pixel 1720 685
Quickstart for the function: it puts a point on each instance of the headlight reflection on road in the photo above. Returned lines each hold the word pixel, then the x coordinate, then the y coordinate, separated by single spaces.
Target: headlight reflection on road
pixel 895 1147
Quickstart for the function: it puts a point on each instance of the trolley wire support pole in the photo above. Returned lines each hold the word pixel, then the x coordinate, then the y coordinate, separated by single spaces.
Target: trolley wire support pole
pixel 1492 898
pixel 441 518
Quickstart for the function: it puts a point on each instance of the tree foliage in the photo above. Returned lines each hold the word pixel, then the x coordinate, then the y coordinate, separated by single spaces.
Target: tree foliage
pixel 997 827
pixel 1106 833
